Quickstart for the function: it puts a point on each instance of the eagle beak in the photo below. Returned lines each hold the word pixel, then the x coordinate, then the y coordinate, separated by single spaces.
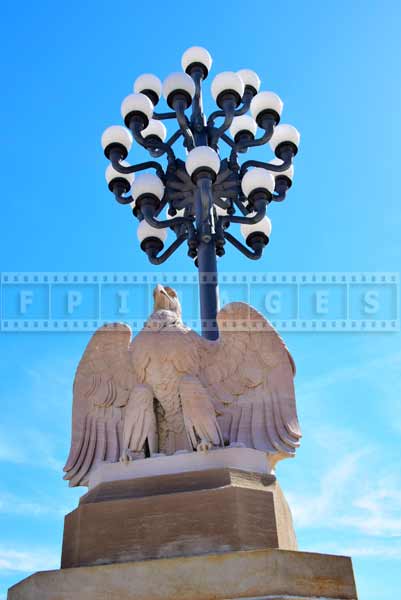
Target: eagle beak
pixel 160 290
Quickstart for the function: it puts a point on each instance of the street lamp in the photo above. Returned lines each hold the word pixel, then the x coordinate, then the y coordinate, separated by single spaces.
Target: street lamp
pixel 205 193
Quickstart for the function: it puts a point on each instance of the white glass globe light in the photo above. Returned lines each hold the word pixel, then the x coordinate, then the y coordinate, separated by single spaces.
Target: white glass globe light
pixel 178 82
pixel 264 226
pixel 202 157
pixel 243 123
pixel 257 179
pixel 117 134
pixel 156 128
pixel 147 231
pixel 287 173
pixel 147 183
pixel 147 81
pixel 250 78
pixel 227 81
pixel 111 173
pixel 266 101
pixel 196 54
pixel 137 103
pixel 285 133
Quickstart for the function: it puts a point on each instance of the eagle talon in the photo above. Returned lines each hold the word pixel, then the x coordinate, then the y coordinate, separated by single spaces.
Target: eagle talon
pixel 125 457
pixel 128 456
pixel 204 446
pixel 237 445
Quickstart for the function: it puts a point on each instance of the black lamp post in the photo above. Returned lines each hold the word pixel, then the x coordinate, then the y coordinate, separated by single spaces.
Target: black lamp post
pixel 205 193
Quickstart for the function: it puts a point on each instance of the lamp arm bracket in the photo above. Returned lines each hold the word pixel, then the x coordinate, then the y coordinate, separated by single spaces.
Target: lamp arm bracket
pixel 223 175
pixel 217 132
pixel 157 145
pixel 179 186
pixel 222 203
pixel 240 206
pixel 279 197
pixel 158 260
pixel 253 143
pixel 150 164
pixel 180 196
pixel 123 199
pixel 248 220
pixel 184 125
pixel 230 186
pixel 246 102
pixel 268 166
pixel 228 140
pixel 243 249
pixel 164 116
pixel 174 137
pixel 163 203
pixel 185 178
pixel 165 223
pixel 180 202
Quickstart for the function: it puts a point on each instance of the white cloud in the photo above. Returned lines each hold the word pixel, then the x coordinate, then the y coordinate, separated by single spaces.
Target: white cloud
pixel 29 447
pixel 354 501
pixel 13 505
pixel 388 387
pixel 320 507
pixel 55 375
pixel 10 452
pixel 359 493
pixel 352 495
pixel 378 510
pixel 363 550
pixel 36 559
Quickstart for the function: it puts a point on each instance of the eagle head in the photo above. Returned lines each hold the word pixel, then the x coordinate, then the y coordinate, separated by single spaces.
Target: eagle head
pixel 165 298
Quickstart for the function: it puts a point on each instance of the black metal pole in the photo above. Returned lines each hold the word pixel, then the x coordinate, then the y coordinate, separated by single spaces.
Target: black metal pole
pixel 198 121
pixel 207 264
pixel 208 289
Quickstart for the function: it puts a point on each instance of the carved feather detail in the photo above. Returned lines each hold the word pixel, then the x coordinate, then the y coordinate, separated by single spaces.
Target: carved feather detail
pixel 257 372
pixel 102 384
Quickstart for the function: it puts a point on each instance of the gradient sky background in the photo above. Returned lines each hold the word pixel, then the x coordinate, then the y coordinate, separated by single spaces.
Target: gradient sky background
pixel 66 68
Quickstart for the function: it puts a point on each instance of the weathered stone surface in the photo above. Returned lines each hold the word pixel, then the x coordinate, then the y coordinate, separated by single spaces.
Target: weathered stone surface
pixel 244 459
pixel 173 483
pixel 275 574
pixel 220 510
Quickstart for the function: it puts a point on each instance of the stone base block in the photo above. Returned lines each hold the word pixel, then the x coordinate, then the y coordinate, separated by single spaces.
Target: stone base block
pixel 242 459
pixel 259 574
pixel 185 514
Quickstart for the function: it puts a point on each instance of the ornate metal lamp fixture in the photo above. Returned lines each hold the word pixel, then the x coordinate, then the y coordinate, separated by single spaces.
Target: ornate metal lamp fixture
pixel 205 193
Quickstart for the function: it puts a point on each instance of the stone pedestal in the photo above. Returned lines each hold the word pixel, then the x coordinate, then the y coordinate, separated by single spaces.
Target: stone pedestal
pixel 219 510
pixel 200 527
pixel 253 575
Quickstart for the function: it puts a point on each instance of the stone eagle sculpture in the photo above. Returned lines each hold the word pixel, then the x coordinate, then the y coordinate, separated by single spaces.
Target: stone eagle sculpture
pixel 171 390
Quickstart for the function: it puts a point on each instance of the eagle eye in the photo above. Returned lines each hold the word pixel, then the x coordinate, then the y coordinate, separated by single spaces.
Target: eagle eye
pixel 170 292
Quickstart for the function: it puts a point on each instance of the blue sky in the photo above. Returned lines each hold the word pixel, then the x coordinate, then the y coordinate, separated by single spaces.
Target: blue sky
pixel 336 65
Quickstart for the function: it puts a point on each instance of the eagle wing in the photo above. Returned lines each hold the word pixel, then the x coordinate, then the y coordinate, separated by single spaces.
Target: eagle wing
pixel 102 384
pixel 249 373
